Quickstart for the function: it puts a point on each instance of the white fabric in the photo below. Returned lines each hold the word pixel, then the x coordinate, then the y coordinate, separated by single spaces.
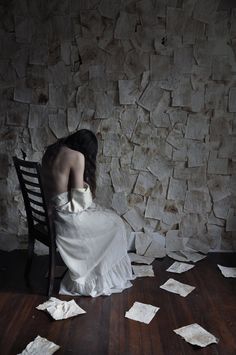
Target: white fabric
pixel 92 242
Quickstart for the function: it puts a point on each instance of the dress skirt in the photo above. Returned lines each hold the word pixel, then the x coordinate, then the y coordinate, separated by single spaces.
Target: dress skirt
pixel 92 243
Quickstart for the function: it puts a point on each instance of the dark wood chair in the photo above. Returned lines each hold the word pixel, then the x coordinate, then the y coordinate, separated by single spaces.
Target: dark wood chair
pixel 39 225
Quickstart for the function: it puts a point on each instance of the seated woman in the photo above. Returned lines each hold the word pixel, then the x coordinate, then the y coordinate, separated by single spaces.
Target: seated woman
pixel 91 240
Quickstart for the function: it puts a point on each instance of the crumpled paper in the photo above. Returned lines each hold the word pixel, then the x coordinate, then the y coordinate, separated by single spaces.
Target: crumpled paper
pixel 174 286
pixel 227 271
pixel 196 335
pixel 60 309
pixel 142 312
pixel 40 346
pixel 143 270
pixel 140 259
pixel 178 267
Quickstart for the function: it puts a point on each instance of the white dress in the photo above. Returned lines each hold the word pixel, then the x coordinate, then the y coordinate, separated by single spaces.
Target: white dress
pixel 92 243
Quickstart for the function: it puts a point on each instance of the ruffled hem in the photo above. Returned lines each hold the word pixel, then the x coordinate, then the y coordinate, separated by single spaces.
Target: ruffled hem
pixel 114 281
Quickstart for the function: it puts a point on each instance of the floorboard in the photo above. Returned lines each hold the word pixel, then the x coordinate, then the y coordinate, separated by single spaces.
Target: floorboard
pixel 103 330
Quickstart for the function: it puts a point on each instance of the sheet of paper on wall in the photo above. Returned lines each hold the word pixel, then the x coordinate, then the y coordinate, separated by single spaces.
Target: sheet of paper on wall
pixel 143 270
pixel 227 271
pixel 157 248
pixel 174 286
pixel 196 335
pixel 60 309
pixel 198 245
pixel 142 312
pixel 140 259
pixel 178 267
pixel 40 346
pixel 142 242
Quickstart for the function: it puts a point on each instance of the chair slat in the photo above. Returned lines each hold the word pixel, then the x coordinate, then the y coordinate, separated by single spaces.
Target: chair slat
pixel 27 164
pixel 40 221
pixel 40 213
pixel 27 173
pixel 34 193
pixel 36 202
pixel 31 183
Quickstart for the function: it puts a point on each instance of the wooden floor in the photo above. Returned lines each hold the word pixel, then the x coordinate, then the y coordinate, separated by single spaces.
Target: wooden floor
pixel 103 329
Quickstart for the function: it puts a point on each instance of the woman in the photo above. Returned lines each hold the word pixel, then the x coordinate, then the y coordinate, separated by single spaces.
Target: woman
pixel 91 240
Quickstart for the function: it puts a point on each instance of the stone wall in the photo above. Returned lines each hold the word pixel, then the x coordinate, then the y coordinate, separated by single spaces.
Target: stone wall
pixel 155 79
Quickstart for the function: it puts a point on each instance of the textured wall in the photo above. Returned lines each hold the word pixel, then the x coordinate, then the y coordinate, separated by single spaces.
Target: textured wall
pixel 156 79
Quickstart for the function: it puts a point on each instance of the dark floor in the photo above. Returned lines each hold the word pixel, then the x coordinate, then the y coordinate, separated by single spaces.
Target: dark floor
pixel 103 329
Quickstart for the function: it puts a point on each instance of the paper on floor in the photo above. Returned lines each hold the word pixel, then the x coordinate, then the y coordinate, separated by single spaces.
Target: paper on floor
pixel 227 271
pixel 186 256
pixel 174 286
pixel 179 267
pixel 196 335
pixel 140 259
pixel 143 270
pixel 61 309
pixel 40 346
pixel 177 255
pixel 193 256
pixel 142 312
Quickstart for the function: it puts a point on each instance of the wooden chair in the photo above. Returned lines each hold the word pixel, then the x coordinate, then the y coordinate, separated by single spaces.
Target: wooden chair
pixel 39 225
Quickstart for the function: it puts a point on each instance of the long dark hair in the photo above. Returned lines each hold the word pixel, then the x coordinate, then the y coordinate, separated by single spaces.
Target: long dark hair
pixel 85 142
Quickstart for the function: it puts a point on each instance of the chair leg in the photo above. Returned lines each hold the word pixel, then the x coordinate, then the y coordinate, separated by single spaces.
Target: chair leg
pixel 51 274
pixel 30 255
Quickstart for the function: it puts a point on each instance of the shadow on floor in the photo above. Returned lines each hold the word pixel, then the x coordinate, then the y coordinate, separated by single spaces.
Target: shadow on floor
pixel 12 265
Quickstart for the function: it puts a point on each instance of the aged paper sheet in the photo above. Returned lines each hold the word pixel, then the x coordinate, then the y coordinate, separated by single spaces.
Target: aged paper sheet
pixel 143 270
pixel 178 267
pixel 60 309
pixel 227 271
pixel 174 286
pixel 142 312
pixel 40 346
pixel 196 335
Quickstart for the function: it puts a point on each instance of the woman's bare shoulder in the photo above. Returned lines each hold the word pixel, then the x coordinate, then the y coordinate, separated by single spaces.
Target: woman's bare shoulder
pixel 72 155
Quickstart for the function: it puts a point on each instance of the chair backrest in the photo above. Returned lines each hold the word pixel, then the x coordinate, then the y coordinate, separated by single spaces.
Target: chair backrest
pixel 29 175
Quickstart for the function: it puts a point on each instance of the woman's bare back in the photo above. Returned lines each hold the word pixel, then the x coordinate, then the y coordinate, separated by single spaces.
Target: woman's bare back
pixel 62 169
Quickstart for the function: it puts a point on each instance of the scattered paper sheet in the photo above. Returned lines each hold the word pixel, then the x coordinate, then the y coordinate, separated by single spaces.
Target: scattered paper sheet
pixel 142 312
pixel 196 335
pixel 140 259
pixel 227 271
pixel 40 346
pixel 174 286
pixel 61 309
pixel 193 256
pixel 143 270
pixel 179 267
pixel 177 255
pixel 186 256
